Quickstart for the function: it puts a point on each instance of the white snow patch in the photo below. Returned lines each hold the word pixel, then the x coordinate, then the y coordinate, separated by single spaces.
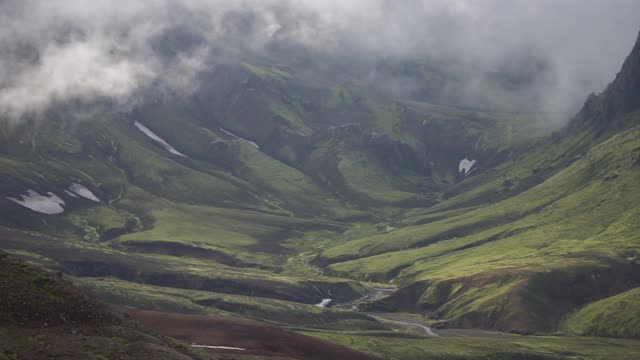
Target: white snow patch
pixel 240 138
pixel 48 204
pixel 324 303
pixel 218 347
pixel 70 194
pixel 83 191
pixel 158 139
pixel 466 165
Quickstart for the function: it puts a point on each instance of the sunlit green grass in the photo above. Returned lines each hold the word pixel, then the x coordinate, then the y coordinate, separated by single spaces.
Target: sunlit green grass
pixel 616 316
pixel 268 73
pixel 200 302
pixel 572 212
pixel 388 346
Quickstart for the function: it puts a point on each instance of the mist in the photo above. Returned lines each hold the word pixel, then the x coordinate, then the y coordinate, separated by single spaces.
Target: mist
pixel 557 51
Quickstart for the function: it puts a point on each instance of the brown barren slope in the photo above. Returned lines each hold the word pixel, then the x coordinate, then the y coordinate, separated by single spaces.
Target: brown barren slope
pixel 258 338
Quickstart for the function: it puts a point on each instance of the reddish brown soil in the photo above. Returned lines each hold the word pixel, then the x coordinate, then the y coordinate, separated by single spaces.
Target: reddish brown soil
pixel 258 338
pixel 43 316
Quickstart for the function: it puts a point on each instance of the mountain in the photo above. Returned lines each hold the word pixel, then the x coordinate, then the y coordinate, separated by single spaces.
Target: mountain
pixel 43 315
pixel 621 98
pixel 523 246
pixel 267 192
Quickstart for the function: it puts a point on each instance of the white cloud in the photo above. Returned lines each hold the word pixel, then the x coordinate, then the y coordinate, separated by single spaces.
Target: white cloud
pixel 80 70
pixel 65 49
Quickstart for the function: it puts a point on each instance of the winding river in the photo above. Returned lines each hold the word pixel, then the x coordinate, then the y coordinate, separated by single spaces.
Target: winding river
pixel 376 294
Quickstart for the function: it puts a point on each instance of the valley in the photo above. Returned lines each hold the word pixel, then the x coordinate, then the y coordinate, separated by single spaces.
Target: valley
pixel 275 214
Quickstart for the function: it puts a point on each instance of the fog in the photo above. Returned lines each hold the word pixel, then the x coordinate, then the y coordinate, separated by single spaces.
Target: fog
pixel 56 51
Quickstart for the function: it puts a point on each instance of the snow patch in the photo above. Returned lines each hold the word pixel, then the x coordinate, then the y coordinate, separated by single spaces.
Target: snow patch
pixel 82 191
pixel 49 203
pixel 217 347
pixel 240 138
pixel 70 194
pixel 466 165
pixel 158 139
pixel 324 303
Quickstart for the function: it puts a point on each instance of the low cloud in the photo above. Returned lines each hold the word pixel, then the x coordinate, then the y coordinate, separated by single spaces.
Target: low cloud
pixel 55 51
pixel 77 70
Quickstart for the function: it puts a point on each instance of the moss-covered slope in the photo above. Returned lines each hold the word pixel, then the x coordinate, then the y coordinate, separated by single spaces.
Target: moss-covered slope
pixel 615 316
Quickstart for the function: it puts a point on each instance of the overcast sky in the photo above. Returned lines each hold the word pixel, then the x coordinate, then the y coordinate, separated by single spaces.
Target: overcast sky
pixel 55 50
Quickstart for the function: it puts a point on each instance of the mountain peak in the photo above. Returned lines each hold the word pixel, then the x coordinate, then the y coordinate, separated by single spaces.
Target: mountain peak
pixel 621 97
pixel 624 92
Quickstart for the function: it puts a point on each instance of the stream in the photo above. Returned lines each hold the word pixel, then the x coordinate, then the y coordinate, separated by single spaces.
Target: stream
pixel 377 293
pixel 406 323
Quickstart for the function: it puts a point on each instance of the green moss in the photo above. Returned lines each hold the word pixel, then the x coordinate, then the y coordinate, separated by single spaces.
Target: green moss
pixel 296 188
pixel 339 95
pixel 519 222
pixel 258 224
pixel 291 116
pixel 388 346
pixel 268 73
pixel 201 302
pixel 369 179
pixel 615 316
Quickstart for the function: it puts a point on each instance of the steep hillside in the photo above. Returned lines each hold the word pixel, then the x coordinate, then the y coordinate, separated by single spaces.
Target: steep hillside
pixel 44 316
pixel 615 316
pixel 519 247
pixel 209 193
pixel 607 111
pixel 497 264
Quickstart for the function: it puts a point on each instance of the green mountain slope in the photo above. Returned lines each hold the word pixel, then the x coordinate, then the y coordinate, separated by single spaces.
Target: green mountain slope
pixel 265 193
pixel 497 264
pixel 615 316
pixel 524 244
pixel 43 315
